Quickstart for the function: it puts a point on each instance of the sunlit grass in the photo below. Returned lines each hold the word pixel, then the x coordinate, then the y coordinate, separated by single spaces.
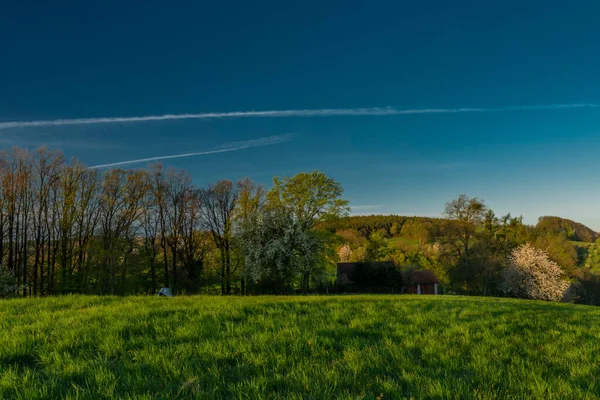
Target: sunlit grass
pixel 349 347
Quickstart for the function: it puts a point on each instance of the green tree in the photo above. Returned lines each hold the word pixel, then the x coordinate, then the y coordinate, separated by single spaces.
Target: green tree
pixel 310 198
pixel 465 215
pixel 417 229
pixel 376 248
pixel 278 250
pixel 473 245
pixel 559 250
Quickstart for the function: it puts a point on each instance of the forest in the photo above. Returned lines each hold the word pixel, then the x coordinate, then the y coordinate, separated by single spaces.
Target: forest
pixel 67 228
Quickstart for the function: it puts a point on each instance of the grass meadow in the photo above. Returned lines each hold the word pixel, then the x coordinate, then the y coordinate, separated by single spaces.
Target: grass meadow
pixel 318 347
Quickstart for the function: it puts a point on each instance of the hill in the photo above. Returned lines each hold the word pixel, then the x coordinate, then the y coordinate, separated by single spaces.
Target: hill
pixel 297 347
pixel 570 229
pixel 366 224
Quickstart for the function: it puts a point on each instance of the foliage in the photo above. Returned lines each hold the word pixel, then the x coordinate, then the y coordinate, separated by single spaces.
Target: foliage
pixel 8 285
pixel 566 228
pixel 588 255
pixel 418 229
pixel 320 347
pixel 531 274
pixel 559 250
pixel 367 224
pixel 586 290
pixel 464 216
pixel 66 228
pixel 279 249
pixel 352 237
pixel 311 197
pixel 376 248
pixel 304 201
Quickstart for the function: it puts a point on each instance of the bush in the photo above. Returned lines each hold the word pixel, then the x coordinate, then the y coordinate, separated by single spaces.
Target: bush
pixel 531 274
pixel 586 290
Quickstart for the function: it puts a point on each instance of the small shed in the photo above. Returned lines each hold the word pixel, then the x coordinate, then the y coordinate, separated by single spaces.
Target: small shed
pixel 422 282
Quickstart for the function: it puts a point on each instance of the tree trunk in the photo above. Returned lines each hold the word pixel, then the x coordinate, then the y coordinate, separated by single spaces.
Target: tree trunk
pixel 174 266
pixel 165 260
pixel 223 271
pixel 228 266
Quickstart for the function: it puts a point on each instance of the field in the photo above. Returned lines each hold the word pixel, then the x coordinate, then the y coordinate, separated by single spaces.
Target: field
pixel 349 347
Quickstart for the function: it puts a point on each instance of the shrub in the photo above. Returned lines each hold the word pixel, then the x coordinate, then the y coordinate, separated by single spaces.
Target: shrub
pixel 586 290
pixel 531 274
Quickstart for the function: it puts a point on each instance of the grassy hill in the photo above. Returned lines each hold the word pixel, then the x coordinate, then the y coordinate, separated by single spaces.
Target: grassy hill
pixel 346 347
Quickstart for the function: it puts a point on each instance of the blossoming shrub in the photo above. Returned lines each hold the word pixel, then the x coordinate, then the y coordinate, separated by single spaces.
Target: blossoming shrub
pixel 531 274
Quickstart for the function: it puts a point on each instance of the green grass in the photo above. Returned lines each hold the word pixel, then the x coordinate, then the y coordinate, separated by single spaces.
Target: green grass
pixel 348 347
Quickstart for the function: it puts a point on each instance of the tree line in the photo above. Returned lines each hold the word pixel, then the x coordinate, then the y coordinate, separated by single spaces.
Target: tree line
pixel 470 248
pixel 66 228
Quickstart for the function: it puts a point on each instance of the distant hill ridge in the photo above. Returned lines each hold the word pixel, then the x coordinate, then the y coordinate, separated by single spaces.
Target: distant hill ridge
pixel 571 229
pixel 366 224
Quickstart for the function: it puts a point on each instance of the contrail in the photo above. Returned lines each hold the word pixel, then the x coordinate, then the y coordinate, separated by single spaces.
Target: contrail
pixel 327 112
pixel 234 146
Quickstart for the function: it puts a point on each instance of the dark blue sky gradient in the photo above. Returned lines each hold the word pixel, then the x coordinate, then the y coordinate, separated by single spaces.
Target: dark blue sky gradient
pixel 118 59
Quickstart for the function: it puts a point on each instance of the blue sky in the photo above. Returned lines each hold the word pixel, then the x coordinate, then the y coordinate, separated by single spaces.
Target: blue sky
pixel 80 60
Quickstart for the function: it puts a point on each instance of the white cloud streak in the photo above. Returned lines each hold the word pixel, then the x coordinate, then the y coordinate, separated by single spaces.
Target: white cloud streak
pixel 234 146
pixel 328 112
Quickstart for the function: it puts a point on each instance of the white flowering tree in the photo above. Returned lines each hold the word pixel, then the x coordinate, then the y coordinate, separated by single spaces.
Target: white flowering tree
pixel 278 250
pixel 531 274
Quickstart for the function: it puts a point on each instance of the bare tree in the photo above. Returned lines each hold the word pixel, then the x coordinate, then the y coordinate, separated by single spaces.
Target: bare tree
pixel 194 242
pixel 158 188
pixel 178 185
pixel 151 226
pixel 120 209
pixel 47 168
pixel 86 221
pixel 217 206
